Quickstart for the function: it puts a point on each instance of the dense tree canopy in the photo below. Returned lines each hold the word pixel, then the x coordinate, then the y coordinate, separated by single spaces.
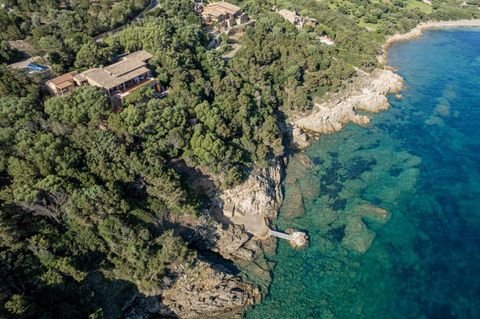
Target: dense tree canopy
pixel 87 194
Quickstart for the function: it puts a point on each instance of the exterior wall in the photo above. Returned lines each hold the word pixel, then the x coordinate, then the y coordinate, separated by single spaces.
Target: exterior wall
pixel 52 89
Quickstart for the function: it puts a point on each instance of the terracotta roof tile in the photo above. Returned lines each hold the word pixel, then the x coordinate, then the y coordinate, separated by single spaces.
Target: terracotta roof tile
pixel 63 78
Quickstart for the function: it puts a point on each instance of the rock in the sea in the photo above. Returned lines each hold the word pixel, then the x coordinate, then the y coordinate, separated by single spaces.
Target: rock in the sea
pixel 367 93
pixel 293 205
pixel 206 292
pixel 357 237
pixel 300 139
pixel 232 243
pixel 299 239
pixel 373 213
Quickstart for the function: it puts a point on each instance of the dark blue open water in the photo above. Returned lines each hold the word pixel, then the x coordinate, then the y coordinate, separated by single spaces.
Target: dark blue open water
pixel 420 161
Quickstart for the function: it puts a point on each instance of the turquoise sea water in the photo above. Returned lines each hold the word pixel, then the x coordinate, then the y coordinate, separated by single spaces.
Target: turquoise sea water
pixel 420 161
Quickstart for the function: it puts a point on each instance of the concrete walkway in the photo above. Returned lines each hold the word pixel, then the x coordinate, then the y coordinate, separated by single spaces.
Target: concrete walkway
pixel 297 239
pixel 280 235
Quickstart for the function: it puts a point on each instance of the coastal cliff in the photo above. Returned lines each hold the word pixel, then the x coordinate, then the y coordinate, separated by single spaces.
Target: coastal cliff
pixel 255 201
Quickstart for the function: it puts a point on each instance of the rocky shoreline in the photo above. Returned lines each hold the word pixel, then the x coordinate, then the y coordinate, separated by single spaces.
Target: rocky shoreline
pixel 261 195
pixel 252 205
pixel 366 93
pixel 208 289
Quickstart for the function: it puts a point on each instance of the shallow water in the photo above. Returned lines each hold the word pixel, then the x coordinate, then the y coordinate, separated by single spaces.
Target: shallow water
pixel 421 162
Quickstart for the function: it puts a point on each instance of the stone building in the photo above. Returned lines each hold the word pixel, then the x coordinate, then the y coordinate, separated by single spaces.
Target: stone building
pixel 62 84
pixel 222 15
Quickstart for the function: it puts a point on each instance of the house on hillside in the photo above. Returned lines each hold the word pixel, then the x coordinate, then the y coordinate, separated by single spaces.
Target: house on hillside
pixel 292 17
pixel 62 84
pixel 296 19
pixel 222 15
pixel 118 80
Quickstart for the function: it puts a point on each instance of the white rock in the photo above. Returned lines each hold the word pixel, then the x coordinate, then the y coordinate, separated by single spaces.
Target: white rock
pixel 367 93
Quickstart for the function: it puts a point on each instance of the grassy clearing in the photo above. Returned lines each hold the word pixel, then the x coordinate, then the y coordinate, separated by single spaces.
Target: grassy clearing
pixel 425 8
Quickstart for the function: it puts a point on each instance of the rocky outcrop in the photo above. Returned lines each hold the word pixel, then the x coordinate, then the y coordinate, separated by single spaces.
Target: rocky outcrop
pixel 254 202
pixel 209 291
pixel 260 194
pixel 232 242
pixel 226 228
pixel 366 93
pixel 299 138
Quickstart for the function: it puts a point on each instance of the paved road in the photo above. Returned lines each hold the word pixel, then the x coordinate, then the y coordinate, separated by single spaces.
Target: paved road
pixel 23 64
pixel 151 5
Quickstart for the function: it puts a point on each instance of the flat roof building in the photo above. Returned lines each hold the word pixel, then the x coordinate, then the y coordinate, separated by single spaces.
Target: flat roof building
pixel 114 76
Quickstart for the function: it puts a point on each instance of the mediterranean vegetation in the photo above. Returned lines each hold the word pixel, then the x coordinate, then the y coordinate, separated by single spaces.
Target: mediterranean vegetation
pixel 87 195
